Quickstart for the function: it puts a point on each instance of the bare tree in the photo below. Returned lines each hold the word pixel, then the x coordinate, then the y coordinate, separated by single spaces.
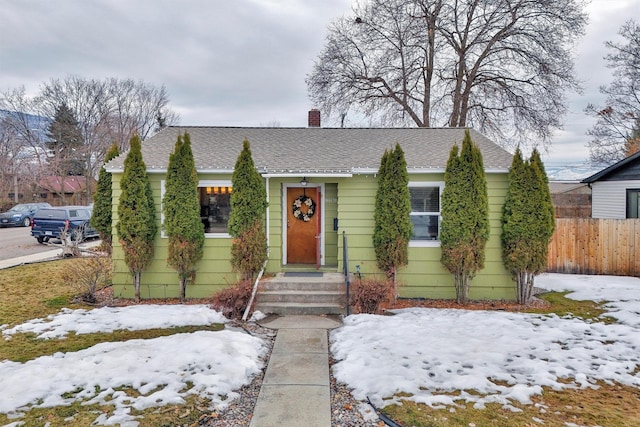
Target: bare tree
pixel 26 122
pixel 87 100
pixel 616 133
pixel 501 66
pixel 136 107
pixel 108 111
pixel 10 148
pixel 22 145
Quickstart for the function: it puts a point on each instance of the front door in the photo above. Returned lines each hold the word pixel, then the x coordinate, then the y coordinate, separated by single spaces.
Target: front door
pixel 303 225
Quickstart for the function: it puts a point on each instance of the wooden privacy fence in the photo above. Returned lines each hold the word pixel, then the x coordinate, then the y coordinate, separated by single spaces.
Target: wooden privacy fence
pixel 595 246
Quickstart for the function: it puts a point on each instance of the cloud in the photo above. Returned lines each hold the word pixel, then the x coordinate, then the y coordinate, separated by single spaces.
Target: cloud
pixel 237 63
pixel 605 19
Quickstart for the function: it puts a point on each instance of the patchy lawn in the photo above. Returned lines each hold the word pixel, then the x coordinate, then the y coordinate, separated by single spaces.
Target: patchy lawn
pixel 569 360
pixel 63 363
pixel 572 361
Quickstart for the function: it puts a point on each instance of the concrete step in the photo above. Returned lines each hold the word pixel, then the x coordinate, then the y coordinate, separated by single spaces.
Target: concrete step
pixel 288 295
pixel 272 285
pixel 298 308
pixel 311 296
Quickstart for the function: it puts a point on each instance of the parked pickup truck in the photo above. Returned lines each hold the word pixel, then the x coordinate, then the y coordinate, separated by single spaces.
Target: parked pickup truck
pixel 49 223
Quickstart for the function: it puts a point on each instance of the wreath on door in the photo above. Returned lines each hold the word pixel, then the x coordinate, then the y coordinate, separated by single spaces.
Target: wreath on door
pixel 297 208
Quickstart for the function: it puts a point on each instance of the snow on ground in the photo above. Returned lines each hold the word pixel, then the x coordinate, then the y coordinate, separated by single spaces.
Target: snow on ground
pixel 161 369
pixel 621 293
pixel 437 356
pixel 440 356
pixel 109 319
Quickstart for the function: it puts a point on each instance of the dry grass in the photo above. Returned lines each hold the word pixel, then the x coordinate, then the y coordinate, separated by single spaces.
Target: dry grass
pixel 609 405
pixel 37 290
pixel 563 306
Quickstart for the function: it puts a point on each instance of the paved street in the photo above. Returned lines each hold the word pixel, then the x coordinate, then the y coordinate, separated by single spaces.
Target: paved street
pixel 17 241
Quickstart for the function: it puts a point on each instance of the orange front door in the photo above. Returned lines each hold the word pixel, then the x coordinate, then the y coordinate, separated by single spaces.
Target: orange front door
pixel 303 218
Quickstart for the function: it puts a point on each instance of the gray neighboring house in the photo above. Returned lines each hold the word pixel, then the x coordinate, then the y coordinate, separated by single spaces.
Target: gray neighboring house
pixel 616 190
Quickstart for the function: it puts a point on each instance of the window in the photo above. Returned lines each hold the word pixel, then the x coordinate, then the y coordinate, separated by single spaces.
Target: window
pixel 214 197
pixel 633 203
pixel 215 206
pixel 425 211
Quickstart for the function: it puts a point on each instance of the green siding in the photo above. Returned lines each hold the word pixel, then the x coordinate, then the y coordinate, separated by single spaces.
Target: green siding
pixel 160 280
pixel 275 192
pixel 424 276
pixel 330 236
pixel 351 200
pixel 356 198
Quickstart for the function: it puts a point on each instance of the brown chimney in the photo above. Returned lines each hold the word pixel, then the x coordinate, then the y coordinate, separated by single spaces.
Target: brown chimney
pixel 314 118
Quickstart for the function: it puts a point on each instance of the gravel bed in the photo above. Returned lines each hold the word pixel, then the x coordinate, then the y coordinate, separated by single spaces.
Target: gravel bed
pixel 240 411
pixel 345 410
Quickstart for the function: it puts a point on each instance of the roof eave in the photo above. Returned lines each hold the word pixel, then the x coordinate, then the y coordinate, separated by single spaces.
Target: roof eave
pixel 301 174
pixel 599 175
pixel 314 173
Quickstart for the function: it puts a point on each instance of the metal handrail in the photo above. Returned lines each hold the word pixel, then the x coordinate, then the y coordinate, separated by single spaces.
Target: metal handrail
pixel 345 264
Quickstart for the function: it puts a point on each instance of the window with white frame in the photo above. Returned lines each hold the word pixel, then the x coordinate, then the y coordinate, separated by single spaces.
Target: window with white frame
pixel 215 206
pixel 425 210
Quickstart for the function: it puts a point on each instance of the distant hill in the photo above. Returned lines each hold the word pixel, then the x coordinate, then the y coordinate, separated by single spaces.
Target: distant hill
pixel 37 124
pixel 571 172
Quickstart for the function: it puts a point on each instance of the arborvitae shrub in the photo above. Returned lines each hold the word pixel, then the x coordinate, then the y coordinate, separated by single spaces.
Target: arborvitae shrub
pixel 101 216
pixel 249 250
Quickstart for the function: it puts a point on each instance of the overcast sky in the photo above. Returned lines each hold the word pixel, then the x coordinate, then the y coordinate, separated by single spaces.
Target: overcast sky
pixel 232 63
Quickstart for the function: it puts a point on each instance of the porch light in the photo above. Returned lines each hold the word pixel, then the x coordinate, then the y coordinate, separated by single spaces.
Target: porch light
pixel 304 181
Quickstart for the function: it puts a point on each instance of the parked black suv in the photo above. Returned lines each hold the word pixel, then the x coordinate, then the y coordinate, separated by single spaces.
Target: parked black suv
pixel 21 215
pixel 48 223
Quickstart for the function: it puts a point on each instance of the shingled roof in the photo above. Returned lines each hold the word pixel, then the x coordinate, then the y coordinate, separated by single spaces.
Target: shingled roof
pixel 68 184
pixel 614 168
pixel 314 150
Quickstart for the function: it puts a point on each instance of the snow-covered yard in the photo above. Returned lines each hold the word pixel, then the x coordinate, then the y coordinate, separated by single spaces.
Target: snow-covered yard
pixel 161 369
pixel 440 356
pixel 432 356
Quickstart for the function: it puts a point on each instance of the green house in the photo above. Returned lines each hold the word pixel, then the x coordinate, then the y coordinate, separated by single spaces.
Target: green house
pixel 335 168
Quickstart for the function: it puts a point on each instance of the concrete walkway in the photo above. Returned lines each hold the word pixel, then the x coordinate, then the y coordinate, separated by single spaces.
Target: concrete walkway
pixel 295 390
pixel 29 259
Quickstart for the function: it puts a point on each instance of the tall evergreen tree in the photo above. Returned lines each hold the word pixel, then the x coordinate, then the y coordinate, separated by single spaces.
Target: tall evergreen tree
pixel 181 206
pixel 102 205
pixel 246 220
pixel 527 223
pixel 136 226
pixel 392 222
pixel 65 142
pixel 465 216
